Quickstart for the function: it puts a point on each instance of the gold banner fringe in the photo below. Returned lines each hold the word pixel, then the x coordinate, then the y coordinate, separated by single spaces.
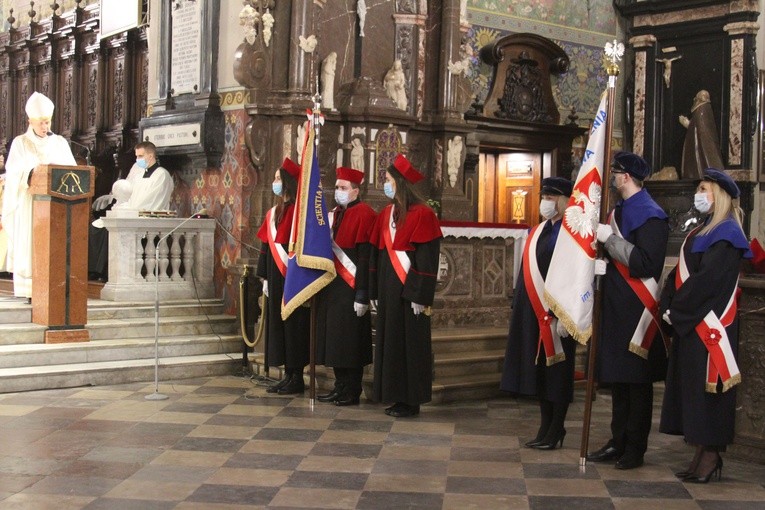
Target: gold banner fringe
pixel 557 358
pixel 582 336
pixel 640 351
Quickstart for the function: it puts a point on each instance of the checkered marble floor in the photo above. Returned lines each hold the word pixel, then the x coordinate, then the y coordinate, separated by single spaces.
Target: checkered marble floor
pixel 223 443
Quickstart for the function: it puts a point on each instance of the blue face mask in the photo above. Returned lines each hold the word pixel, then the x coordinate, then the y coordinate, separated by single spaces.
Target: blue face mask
pixel 141 163
pixel 277 187
pixel 388 190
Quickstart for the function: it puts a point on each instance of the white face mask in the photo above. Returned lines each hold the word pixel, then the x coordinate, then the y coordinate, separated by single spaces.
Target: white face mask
pixel 701 203
pixel 342 197
pixel 548 208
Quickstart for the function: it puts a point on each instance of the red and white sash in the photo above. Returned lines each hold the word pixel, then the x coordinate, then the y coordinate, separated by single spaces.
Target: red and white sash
pixel 277 250
pixel 535 286
pixel 398 258
pixel 343 263
pixel 721 363
pixel 647 291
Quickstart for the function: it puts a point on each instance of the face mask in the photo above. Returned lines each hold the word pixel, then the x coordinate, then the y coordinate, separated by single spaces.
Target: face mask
pixel 548 208
pixel 701 203
pixel 342 197
pixel 388 190
pixel 141 163
pixel 277 187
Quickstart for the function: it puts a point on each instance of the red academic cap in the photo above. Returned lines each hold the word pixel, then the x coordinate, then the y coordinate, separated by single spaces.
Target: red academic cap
pixel 406 169
pixel 350 174
pixel 291 168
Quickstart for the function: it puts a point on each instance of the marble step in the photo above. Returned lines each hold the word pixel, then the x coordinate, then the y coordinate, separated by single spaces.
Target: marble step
pixel 141 327
pixel 454 340
pixel 14 311
pixel 452 364
pixel 31 355
pixel 466 387
pixel 117 372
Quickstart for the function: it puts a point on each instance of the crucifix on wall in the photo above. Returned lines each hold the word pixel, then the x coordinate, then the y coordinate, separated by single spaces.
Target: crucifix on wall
pixel 668 68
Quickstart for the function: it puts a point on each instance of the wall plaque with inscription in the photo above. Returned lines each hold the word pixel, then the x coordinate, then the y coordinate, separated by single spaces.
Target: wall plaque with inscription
pixel 174 135
pixel 186 43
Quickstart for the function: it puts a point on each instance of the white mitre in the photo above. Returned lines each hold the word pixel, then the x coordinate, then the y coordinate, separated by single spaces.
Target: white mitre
pixel 39 106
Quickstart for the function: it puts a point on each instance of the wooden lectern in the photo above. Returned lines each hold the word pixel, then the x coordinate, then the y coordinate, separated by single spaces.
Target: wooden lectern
pixel 61 212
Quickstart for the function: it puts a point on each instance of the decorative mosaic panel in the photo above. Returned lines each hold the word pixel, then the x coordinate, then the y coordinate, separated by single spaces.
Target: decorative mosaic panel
pixel 225 193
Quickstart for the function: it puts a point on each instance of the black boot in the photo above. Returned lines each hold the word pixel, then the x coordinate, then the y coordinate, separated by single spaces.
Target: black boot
pixel 337 390
pixel 274 388
pixel 296 384
pixel 546 411
pixel 351 387
pixel 556 433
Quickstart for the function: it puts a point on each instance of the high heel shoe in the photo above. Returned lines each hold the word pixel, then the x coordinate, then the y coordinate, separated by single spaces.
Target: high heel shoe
pixel 693 465
pixel 551 444
pixel 694 478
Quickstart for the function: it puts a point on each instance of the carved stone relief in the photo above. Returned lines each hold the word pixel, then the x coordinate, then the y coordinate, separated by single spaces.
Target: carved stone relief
pixel 523 96
pixel 493 271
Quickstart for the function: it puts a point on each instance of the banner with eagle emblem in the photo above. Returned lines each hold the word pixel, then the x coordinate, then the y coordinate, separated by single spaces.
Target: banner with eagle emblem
pixel 569 283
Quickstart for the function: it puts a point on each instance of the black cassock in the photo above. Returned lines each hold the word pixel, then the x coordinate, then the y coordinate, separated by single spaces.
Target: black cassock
pixel 342 338
pixel 523 372
pixel 622 310
pixel 287 341
pixel 688 409
pixel 403 361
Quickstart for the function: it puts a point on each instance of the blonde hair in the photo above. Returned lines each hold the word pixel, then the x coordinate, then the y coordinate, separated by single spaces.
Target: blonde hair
pixel 724 207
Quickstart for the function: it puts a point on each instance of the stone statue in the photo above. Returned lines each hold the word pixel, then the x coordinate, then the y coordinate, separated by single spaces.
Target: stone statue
pixel 328 67
pixel 701 148
pixel 395 85
pixel 454 159
pixel 361 11
pixel 308 44
pixel 357 154
pixel 300 141
pixel 268 26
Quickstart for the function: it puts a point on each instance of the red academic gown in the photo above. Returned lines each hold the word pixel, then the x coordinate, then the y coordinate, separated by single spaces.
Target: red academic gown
pixel 403 357
pixel 342 338
pixel 287 342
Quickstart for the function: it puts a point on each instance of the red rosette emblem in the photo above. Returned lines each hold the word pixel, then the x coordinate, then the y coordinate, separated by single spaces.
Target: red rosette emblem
pixel 712 338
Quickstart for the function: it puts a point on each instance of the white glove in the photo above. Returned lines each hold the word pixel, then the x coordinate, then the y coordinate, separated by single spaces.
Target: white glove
pixel 417 309
pixel 102 202
pixel 604 232
pixel 373 304
pixel 265 288
pixel 360 309
pixel 666 318
pixel 561 329
pixel 600 266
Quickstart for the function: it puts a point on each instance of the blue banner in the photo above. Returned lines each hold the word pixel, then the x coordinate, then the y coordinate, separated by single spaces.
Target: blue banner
pixel 310 266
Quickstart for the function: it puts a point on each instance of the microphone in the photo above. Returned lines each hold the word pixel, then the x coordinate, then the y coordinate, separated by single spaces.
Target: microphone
pixel 78 144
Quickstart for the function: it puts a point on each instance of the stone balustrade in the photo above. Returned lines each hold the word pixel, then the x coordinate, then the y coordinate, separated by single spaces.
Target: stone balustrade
pixel 184 249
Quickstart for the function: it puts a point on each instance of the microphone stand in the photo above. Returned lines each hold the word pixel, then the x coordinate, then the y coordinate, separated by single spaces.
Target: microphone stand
pixel 157 395
pixel 87 150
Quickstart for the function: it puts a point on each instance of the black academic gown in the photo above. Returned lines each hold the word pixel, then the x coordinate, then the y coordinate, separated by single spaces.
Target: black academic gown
pixel 344 340
pixel 688 409
pixel 287 340
pixel 524 372
pixel 403 361
pixel 622 310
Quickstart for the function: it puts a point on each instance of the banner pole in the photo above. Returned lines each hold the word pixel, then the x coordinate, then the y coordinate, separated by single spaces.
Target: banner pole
pixel 613 54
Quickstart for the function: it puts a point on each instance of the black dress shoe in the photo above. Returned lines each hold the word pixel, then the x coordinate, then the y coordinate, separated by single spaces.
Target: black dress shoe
pixel 296 385
pixel 405 411
pixel 274 388
pixel 551 443
pixel 390 409
pixel 605 454
pixel 347 400
pixel 628 461
pixel 332 396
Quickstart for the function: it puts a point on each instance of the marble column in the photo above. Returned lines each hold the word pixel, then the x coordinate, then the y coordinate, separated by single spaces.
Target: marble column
pixel 737 128
pixel 449 52
pixel 644 47
pixel 300 62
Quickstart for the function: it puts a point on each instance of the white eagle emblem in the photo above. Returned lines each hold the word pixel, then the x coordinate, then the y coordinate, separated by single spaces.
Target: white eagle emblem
pixel 582 219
